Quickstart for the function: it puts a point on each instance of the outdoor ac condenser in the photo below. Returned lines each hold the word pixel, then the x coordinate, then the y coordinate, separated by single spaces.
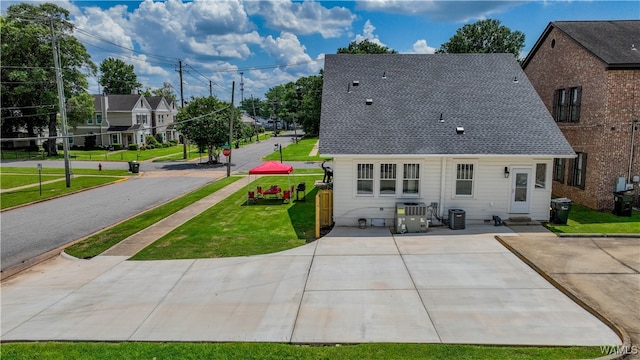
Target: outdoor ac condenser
pixel 411 218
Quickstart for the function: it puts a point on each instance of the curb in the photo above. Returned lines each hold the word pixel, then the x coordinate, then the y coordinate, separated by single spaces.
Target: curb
pixel 622 333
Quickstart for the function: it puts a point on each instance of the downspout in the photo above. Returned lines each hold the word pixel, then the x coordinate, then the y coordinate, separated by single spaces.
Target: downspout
pixel 632 150
pixel 443 170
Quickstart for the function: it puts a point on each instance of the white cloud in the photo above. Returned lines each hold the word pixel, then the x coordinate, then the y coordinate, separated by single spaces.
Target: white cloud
pixel 421 47
pixel 367 34
pixel 452 10
pixel 304 18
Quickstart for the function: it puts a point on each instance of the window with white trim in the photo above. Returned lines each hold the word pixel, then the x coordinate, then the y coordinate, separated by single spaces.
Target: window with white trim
pixel 411 179
pixel 541 176
pixel 364 179
pixel 464 179
pixel 387 179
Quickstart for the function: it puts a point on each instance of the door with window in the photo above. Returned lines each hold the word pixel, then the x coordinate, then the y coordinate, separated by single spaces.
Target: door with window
pixel 520 191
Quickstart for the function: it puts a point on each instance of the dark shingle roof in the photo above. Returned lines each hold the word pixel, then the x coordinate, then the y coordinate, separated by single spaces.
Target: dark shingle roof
pixel 118 102
pixel 610 41
pixel 474 91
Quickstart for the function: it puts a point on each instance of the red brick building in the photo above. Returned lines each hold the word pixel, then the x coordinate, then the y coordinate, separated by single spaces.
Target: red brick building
pixel 588 76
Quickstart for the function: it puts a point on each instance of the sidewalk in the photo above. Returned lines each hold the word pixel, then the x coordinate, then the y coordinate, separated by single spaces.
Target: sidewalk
pixel 138 241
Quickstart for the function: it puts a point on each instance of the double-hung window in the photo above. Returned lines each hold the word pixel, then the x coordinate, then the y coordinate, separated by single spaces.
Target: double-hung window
pixel 364 179
pixel 558 170
pixel 578 170
pixel 98 118
pixel 387 179
pixel 411 179
pixel 464 179
pixel 566 104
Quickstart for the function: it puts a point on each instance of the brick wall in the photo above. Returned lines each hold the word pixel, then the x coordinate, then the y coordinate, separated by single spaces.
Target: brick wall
pixel 610 102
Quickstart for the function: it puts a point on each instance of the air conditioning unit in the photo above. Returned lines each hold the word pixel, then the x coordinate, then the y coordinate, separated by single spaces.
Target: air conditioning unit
pixel 411 218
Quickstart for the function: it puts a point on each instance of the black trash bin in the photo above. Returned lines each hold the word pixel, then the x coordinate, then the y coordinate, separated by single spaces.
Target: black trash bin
pixel 134 167
pixel 623 203
pixel 301 188
pixel 456 219
pixel 560 208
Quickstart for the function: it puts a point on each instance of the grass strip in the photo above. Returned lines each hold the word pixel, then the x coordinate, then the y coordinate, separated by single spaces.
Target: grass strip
pixel 8 181
pixel 266 351
pixel 297 151
pixel 583 220
pixel 98 243
pixel 32 194
pixel 233 228
pixel 60 171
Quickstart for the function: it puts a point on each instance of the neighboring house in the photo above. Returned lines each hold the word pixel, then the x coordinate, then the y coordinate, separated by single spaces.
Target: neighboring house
pixel 118 119
pixel 455 131
pixel 162 117
pixel 588 75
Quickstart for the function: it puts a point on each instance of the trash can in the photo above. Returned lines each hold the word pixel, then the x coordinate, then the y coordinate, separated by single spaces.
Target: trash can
pixel 134 167
pixel 623 203
pixel 560 208
pixel 456 219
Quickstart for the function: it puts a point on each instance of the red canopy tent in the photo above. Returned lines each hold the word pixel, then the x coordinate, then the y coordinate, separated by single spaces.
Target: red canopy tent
pixel 271 168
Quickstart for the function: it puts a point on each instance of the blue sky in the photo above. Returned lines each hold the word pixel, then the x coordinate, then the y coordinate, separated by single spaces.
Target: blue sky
pixel 216 40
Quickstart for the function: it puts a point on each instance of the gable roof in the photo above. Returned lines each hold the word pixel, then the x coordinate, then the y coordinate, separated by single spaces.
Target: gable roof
pixel 609 41
pixel 410 93
pixel 116 102
pixel 154 101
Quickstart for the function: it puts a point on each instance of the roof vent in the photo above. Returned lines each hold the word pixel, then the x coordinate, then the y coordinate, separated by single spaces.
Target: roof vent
pixel 369 101
pixel 384 74
pixel 441 118
pixel 633 47
pixel 459 130
pixel 348 88
pixel 515 79
pixel 356 83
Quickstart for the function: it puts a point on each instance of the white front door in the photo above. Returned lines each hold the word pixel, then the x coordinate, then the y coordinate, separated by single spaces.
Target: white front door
pixel 520 191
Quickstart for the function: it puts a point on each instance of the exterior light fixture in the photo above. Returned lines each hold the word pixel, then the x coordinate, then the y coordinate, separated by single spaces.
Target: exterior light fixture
pixel 506 172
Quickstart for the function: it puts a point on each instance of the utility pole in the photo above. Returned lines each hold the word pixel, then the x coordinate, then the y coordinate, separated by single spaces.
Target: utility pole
pixel 184 138
pixel 231 116
pixel 210 88
pixel 61 105
pixel 241 88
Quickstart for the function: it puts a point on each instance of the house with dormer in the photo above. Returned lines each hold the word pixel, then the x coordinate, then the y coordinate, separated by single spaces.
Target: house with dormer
pixel 455 132
pixel 588 76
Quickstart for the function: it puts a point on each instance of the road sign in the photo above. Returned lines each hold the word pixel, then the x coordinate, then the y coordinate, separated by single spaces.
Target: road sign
pixel 226 152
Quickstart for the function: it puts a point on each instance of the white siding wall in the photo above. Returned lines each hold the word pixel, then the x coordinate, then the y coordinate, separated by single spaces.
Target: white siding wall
pixel 491 190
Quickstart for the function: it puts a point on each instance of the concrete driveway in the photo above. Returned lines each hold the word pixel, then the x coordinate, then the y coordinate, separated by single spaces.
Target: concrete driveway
pixel 352 286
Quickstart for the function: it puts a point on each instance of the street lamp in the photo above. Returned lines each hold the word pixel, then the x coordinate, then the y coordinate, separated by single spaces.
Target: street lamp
pixel 295 126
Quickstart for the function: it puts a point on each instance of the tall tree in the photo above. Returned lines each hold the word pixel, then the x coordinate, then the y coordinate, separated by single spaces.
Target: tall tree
pixel 484 36
pixel 205 121
pixel 365 47
pixel 165 91
pixel 117 77
pixel 28 87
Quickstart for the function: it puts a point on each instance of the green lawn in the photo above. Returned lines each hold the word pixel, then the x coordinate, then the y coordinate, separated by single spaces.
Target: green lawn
pixel 8 181
pixel 102 241
pixel 233 228
pixel 32 194
pixel 583 220
pixel 266 351
pixel 296 152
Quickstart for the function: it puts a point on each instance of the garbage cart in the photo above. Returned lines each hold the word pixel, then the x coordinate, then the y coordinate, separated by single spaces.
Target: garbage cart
pixel 560 208
pixel 623 202
pixel 134 167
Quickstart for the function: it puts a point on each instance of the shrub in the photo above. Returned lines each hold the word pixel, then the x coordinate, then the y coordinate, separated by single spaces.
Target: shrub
pixel 173 142
pixel 159 138
pixel 117 146
pixel 133 147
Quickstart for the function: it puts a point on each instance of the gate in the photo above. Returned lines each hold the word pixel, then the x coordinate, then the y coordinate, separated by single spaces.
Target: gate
pixel 324 210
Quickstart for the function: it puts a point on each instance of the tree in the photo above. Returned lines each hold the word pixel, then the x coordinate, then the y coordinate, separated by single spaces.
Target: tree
pixel 365 47
pixel 117 77
pixel 205 121
pixel 28 86
pixel 484 36
pixel 165 91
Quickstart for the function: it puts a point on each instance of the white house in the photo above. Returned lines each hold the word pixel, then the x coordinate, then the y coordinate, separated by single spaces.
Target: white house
pixel 453 131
